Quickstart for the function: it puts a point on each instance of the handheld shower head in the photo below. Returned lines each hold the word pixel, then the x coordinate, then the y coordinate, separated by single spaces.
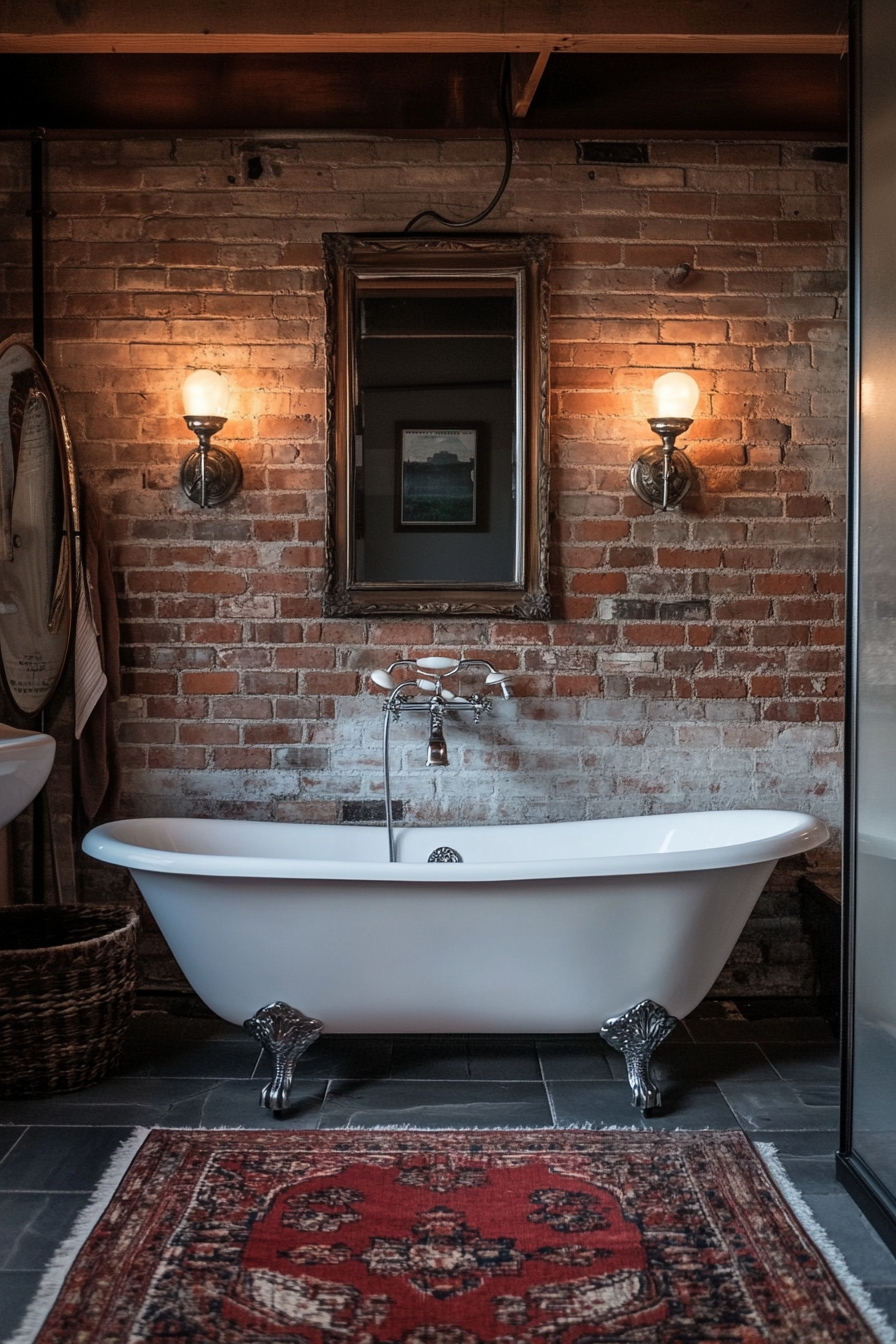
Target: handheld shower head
pixel 501 679
pixel 383 680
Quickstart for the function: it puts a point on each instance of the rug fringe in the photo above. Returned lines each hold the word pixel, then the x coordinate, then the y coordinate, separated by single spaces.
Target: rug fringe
pixel 55 1273
pixel 849 1282
pixel 585 1126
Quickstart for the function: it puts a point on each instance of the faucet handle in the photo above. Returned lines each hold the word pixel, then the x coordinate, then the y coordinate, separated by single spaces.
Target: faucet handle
pixel 438 664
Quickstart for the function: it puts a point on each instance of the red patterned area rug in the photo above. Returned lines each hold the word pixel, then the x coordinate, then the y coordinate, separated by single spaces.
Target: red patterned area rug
pixel 441 1237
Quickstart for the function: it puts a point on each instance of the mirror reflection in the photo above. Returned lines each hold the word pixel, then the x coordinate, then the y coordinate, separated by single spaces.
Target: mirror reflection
pixel 434 460
pixel 436 447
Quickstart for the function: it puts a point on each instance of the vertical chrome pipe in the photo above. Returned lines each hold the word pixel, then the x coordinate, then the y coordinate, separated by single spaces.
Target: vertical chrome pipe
pixel 387 719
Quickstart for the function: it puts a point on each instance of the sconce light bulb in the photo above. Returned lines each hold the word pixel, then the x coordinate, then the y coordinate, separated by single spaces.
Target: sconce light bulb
pixel 206 393
pixel 675 396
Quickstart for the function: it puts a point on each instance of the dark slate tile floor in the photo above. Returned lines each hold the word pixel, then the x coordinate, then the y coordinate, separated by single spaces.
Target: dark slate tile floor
pixel 769 1068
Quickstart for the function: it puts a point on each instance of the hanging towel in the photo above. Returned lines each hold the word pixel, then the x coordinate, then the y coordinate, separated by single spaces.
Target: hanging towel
pixel 100 676
pixel 90 679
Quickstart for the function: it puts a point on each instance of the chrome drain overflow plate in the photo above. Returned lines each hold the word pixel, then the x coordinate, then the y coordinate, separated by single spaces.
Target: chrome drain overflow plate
pixel 445 854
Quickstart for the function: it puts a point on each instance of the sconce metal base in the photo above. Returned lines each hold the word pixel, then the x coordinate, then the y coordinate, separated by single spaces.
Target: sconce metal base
pixel 663 475
pixel 209 474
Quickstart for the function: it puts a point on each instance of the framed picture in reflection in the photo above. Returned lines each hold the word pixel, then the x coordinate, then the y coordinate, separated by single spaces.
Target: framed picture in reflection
pixel 438 475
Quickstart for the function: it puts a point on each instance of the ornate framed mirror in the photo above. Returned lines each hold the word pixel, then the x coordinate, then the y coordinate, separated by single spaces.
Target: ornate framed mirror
pixel 437 424
pixel 38 503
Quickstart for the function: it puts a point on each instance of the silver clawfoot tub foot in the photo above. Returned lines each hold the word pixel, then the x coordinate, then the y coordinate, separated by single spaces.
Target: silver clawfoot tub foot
pixel 285 1034
pixel 637 1033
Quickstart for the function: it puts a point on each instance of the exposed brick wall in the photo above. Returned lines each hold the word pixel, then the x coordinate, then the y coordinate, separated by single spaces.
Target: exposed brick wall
pixel 695 657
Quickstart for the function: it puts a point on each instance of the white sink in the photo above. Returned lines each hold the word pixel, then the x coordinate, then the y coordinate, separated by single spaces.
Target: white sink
pixel 26 760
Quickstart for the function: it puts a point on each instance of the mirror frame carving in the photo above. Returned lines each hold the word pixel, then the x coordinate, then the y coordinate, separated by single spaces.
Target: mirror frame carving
pixel 348 257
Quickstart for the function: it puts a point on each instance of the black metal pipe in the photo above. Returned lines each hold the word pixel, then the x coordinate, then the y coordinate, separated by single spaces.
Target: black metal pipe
pixel 38 886
pixel 37 241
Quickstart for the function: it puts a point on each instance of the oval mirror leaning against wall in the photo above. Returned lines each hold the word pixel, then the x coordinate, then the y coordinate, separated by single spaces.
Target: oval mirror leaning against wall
pixel 38 502
pixel 437 424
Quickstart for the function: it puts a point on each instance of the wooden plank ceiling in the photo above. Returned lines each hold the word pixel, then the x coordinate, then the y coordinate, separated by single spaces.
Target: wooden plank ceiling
pixel 586 67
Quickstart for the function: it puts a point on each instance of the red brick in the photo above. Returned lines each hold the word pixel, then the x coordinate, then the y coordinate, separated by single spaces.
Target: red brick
pixel 743 609
pixel 599 583
pixel 680 203
pixel 776 585
pixel 655 633
pixel 748 559
pixel 821 686
pixel 152 732
pixel 720 688
pixel 766 686
pixel 780 635
pixel 789 711
pixel 176 758
pixel 209 734
pixel 176 707
pixel 566 636
pixel 601 529
pixel 154 581
pixel 805 609
pixel 832 634
pixel 181 608
pixel 577 685
pixel 685 559
pixel 205 582
pixel 409 635
pixel 241 758
pixel 242 707
pixel 312 656
pixel 273 733
pixel 213 632
pixel 807 506
pixel 653 688
pixel 332 683
pixel 210 683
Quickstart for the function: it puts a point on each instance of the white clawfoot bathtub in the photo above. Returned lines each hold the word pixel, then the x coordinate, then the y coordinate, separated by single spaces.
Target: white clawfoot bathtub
pixel 540 928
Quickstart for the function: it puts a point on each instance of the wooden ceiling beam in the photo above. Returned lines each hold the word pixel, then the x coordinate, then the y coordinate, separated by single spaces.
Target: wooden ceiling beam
pixel 786 27
pixel 209 44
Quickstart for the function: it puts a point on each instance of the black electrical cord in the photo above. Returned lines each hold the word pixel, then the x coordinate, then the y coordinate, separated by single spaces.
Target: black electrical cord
pixel 504 113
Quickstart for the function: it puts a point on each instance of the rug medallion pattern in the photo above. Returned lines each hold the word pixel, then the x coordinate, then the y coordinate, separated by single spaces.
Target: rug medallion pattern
pixel 542 1237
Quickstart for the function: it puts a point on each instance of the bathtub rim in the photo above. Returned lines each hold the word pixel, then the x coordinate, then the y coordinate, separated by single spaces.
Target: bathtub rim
pixel 107 844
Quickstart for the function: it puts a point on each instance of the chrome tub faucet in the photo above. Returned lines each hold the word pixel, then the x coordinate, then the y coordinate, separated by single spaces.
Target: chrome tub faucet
pixel 428 676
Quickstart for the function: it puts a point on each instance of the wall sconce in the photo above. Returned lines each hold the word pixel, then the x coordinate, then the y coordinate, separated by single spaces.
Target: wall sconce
pixel 209 474
pixel 663 476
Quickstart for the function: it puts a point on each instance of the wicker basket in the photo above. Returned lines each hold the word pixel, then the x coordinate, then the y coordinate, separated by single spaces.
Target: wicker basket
pixel 67 979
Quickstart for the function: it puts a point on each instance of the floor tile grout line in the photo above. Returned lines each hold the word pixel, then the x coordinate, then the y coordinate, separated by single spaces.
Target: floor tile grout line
pixel 36 1190
pixel 25 1129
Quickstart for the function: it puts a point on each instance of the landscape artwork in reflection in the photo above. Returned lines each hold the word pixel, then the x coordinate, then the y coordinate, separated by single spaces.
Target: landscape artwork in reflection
pixel 438 477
